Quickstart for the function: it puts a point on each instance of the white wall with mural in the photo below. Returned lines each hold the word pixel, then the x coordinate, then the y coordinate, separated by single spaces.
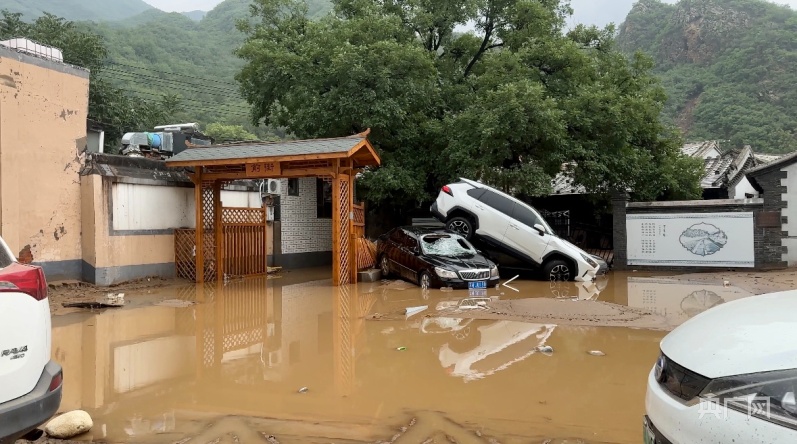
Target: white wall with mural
pixel 691 239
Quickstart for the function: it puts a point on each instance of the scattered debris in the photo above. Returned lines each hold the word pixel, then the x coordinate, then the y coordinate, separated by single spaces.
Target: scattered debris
pixel 726 283
pixel 474 302
pixel 401 349
pixel 412 311
pixel 596 353
pixel 271 439
pixel 303 390
pixel 388 331
pixel 177 303
pixel 90 305
pixel 506 284
pixel 115 298
pixel 545 349
pixel 69 425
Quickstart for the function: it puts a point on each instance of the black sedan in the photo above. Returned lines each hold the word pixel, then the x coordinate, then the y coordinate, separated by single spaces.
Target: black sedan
pixel 434 259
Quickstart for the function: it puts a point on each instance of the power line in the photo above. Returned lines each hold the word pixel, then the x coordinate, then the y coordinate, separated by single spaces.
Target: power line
pixel 175 83
pixel 225 107
pixel 169 73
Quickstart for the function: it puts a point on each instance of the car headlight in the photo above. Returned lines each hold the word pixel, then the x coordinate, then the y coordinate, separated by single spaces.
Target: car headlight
pixel 769 396
pixel 493 271
pixel 589 260
pixel 443 273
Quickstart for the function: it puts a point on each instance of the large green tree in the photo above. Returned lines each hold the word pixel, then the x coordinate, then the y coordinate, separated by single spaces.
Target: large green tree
pixel 508 104
pixel 113 107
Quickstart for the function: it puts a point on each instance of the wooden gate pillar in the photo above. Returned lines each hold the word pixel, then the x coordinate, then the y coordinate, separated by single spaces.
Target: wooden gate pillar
pixel 199 245
pixel 342 259
pixel 217 230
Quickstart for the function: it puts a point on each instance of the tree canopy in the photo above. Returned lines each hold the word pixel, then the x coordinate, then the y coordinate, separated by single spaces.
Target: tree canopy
pixel 509 104
pixel 228 133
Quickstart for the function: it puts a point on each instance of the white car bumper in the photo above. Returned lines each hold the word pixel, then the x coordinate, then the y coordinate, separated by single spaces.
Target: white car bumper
pixel 706 423
pixel 586 274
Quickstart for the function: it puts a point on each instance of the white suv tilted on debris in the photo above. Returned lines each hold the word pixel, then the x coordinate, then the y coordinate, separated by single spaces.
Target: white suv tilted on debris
pixel 30 383
pixel 513 228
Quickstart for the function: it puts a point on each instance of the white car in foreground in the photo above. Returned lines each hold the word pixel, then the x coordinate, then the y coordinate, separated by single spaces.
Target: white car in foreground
pixel 728 375
pixel 30 383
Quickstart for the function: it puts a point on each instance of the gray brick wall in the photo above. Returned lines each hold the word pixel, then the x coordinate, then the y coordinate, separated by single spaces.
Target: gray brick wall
pixel 620 239
pixel 301 230
pixel 771 238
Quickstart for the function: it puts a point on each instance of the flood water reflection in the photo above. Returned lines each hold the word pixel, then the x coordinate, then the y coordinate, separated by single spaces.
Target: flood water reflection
pixel 233 364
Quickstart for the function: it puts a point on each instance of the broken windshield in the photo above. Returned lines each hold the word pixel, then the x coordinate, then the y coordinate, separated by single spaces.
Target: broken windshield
pixel 446 245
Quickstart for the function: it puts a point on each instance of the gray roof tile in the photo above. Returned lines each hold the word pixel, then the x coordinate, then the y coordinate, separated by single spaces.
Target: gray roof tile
pixel 259 149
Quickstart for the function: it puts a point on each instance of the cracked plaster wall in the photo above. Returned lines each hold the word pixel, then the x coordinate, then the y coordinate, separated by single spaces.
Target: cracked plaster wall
pixel 43 110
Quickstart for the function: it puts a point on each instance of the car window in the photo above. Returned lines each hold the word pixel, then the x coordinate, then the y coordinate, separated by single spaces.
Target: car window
pixel 497 202
pixel 410 243
pixel 525 216
pixel 476 193
pixel 397 236
pixel 446 245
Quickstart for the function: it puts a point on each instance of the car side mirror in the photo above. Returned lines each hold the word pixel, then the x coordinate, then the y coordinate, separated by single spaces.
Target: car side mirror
pixel 540 229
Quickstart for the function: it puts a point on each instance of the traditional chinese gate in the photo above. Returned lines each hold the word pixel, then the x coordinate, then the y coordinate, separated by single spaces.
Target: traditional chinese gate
pixel 221 252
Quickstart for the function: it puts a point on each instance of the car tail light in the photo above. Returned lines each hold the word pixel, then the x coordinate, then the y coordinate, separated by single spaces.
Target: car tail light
pixel 447 189
pixel 56 382
pixel 28 279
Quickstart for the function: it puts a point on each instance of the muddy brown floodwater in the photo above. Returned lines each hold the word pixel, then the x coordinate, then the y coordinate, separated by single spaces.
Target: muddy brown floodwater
pixel 291 359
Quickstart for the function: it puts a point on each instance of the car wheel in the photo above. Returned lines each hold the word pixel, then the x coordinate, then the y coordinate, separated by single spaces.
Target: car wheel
pixel 425 280
pixel 461 226
pixel 384 265
pixel 557 270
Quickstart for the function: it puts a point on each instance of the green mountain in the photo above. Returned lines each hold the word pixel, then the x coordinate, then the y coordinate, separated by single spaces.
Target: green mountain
pixel 94 10
pixel 195 15
pixel 156 53
pixel 728 67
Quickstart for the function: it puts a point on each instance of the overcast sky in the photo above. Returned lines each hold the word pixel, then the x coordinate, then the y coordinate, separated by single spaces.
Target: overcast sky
pixel 592 12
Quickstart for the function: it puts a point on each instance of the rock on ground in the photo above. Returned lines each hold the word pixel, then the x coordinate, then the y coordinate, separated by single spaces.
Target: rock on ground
pixel 69 425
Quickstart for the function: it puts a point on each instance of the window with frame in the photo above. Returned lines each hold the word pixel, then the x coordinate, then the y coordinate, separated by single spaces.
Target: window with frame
pixel 323 199
pixel 497 201
pixel 293 187
pixel 525 216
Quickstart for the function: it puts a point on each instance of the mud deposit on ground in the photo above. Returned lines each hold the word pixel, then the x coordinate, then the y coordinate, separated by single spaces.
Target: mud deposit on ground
pixel 73 291
pixel 564 312
pixel 753 282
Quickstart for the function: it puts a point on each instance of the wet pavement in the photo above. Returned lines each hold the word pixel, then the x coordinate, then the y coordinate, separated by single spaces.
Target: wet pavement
pixel 292 359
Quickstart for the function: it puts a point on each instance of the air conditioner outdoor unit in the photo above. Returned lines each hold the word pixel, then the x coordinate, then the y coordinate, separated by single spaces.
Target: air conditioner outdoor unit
pixel 274 186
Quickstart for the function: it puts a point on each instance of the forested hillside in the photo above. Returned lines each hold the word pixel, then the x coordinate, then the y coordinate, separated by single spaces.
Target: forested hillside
pixel 728 67
pixel 95 10
pixel 158 52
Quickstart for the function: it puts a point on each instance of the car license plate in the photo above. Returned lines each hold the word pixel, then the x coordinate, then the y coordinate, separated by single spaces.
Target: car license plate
pixel 477 293
pixel 477 284
pixel 648 436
